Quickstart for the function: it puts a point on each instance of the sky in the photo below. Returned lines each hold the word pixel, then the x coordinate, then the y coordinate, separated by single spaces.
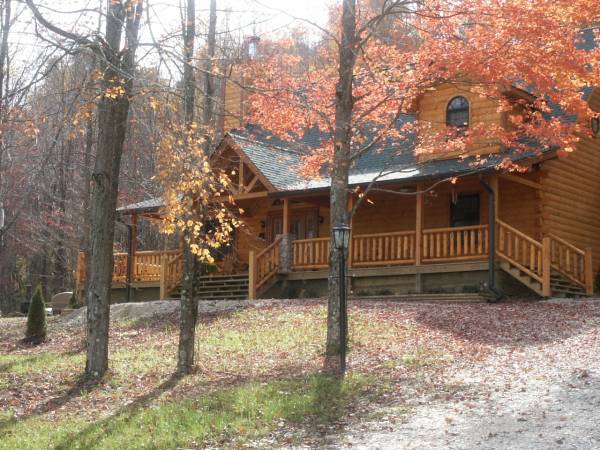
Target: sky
pixel 244 17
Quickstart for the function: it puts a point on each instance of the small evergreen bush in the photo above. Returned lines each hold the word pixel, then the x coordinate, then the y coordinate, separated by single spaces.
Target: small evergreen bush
pixel 73 302
pixel 36 318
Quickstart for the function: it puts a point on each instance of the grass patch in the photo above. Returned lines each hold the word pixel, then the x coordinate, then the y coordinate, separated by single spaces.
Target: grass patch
pixel 225 417
pixel 36 363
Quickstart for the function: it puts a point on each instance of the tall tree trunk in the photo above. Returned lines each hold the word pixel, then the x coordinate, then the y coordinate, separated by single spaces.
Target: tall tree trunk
pixel 5 22
pixel 112 126
pixel 189 306
pixel 339 175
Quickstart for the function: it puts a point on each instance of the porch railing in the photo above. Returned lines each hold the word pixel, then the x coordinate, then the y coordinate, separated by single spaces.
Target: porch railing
pixel 571 262
pixel 309 254
pixel 263 266
pixel 171 273
pixel 523 252
pixel 456 243
pixel 382 249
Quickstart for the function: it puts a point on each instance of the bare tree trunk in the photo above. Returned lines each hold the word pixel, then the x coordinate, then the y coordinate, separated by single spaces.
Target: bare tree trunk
pixel 112 125
pixel 5 20
pixel 339 175
pixel 189 306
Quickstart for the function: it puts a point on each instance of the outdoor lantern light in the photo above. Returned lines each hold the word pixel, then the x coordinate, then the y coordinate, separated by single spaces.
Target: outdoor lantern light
pixel 341 241
pixel 595 126
pixel 341 237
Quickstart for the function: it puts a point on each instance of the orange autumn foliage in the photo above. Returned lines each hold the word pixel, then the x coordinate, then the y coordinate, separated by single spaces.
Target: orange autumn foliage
pixel 406 49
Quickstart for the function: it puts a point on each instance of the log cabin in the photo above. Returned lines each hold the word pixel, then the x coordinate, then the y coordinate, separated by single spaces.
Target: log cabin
pixel 532 233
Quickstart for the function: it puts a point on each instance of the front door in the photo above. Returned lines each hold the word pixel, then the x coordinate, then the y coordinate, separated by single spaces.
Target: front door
pixel 303 224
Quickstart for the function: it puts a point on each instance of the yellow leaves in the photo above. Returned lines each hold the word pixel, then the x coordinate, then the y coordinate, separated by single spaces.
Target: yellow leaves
pixel 114 92
pixel 191 192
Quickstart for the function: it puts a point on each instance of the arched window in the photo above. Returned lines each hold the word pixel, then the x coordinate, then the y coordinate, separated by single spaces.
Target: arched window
pixel 457 113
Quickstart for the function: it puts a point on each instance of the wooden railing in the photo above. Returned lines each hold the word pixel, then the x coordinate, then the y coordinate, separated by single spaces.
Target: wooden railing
pixel 456 243
pixel 571 262
pixel 310 254
pixel 263 266
pixel 171 274
pixel 120 268
pixel 382 249
pixel 525 253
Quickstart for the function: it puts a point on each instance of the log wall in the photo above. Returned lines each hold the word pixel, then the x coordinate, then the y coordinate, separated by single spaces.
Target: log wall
pixel 571 197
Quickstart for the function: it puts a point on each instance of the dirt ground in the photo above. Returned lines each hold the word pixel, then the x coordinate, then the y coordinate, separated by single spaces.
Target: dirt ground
pixel 506 376
pixel 539 388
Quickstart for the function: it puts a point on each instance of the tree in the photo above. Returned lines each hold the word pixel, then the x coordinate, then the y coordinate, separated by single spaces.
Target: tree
pixel 362 78
pixel 116 61
pixel 36 318
pixel 194 193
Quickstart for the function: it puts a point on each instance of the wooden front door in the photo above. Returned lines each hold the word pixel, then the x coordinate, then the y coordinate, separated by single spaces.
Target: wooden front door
pixel 303 224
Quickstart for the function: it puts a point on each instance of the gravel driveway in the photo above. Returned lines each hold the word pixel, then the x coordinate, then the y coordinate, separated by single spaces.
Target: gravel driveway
pixel 540 391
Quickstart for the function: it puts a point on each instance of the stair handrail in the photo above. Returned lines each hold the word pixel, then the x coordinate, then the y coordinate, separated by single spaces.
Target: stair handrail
pixel 583 275
pixel 533 260
pixel 263 266
pixel 519 233
pixel 171 273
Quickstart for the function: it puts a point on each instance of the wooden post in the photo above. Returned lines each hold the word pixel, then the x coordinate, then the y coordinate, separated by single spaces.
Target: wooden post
pixel 546 266
pixel 419 225
pixel 350 223
pixel 286 216
pixel 494 184
pixel 163 277
pixel 241 177
pixel 251 275
pixel 589 272
pixel 134 221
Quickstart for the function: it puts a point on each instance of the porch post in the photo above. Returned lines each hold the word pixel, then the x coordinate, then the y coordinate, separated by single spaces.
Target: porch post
pixel 419 226
pixel 252 275
pixel 350 223
pixel 134 223
pixel 494 186
pixel 286 216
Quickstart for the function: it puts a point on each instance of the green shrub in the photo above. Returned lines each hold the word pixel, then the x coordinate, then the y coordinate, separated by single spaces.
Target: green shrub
pixel 73 302
pixel 36 318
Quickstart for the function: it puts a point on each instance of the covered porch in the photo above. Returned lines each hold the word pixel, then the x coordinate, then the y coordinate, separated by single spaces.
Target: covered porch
pixel 405 228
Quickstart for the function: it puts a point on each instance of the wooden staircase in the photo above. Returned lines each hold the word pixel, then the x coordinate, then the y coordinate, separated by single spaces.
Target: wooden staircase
pixel 549 268
pixel 523 277
pixel 562 286
pixel 220 287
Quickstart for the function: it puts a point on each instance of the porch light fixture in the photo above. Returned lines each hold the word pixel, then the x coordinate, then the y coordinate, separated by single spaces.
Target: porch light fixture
pixel 341 241
pixel 341 237
pixel 595 125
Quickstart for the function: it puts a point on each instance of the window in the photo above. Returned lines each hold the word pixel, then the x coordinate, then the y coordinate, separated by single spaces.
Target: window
pixel 457 113
pixel 464 212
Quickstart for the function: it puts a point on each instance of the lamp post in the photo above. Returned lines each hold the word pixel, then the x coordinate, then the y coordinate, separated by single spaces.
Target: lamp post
pixel 341 241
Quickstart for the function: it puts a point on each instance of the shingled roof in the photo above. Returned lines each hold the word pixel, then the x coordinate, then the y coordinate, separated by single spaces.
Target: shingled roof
pixel 280 161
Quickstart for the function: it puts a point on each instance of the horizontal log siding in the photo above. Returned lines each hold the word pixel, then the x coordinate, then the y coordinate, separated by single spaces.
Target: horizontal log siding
pixel 520 205
pixel 571 197
pixel 432 110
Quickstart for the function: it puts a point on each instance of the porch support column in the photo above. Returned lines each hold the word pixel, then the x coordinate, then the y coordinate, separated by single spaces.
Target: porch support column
pixel 134 243
pixel 494 185
pixel 286 216
pixel 285 254
pixel 419 225
pixel 350 223
pixel 131 250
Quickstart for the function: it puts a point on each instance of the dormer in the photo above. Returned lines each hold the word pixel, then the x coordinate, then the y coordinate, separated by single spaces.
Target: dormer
pixel 457 108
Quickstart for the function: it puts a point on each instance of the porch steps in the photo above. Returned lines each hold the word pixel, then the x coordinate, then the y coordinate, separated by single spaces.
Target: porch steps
pixel 221 287
pixel 562 286
pixel 522 277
